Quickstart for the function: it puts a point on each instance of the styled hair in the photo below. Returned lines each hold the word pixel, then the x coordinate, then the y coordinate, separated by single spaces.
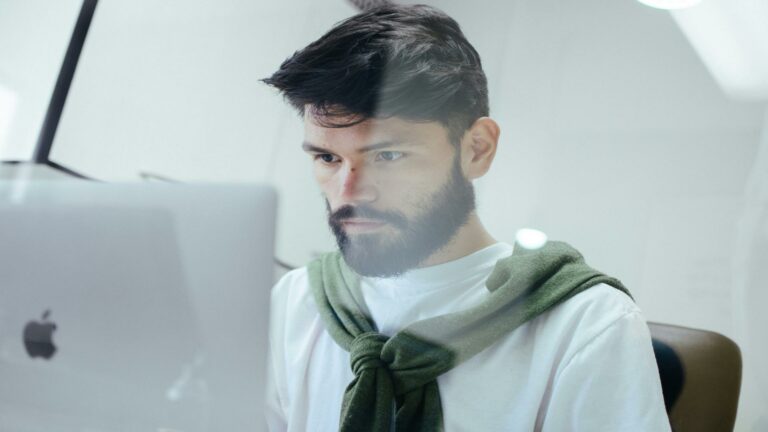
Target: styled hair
pixel 407 61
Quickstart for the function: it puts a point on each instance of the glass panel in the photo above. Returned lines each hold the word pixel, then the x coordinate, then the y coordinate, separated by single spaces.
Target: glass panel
pixel 622 133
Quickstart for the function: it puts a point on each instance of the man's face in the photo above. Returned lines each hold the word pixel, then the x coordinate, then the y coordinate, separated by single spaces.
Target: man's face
pixel 394 189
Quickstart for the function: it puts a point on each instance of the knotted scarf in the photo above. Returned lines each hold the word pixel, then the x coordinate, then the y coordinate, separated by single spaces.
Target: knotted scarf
pixel 395 378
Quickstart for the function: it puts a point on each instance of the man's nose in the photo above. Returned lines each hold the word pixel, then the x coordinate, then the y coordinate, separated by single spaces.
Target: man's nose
pixel 356 185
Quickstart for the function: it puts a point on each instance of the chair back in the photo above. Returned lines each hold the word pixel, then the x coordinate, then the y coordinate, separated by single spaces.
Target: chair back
pixel 700 376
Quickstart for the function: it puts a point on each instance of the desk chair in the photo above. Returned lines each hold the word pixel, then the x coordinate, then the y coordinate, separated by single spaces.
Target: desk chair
pixel 700 377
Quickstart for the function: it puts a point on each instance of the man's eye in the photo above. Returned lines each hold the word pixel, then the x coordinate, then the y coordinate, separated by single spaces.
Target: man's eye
pixel 326 158
pixel 389 156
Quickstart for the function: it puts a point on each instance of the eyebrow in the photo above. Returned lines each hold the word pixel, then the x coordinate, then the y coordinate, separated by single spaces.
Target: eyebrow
pixel 309 147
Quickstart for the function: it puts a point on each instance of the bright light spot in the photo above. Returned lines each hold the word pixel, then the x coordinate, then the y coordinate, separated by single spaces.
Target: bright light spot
pixel 530 238
pixel 670 4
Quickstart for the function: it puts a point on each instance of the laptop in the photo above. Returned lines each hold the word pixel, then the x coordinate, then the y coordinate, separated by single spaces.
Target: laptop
pixel 134 307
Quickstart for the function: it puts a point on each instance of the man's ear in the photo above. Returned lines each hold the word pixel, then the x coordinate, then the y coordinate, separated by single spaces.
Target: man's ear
pixel 478 147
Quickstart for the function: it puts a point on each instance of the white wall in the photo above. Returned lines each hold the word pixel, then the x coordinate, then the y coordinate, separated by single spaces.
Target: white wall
pixel 614 138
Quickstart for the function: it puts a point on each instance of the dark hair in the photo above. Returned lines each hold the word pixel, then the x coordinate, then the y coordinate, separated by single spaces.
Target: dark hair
pixel 411 62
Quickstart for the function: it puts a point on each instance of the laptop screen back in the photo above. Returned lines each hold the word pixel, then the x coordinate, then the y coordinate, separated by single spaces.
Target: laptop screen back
pixel 133 307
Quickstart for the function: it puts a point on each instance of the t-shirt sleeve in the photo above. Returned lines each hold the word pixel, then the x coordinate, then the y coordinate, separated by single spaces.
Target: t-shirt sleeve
pixel 611 383
pixel 275 398
pixel 274 412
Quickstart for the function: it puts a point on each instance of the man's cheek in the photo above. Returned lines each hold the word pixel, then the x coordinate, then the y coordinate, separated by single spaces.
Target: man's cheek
pixel 327 192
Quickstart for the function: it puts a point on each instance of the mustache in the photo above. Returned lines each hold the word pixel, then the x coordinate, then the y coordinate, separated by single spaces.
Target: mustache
pixel 365 212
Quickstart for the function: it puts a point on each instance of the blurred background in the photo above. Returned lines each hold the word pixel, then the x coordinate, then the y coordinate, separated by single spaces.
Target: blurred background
pixel 637 134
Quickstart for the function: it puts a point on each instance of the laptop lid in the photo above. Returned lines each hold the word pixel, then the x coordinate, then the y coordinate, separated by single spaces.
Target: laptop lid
pixel 134 307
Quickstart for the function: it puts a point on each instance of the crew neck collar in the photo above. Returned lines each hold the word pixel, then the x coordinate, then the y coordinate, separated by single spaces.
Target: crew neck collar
pixel 447 273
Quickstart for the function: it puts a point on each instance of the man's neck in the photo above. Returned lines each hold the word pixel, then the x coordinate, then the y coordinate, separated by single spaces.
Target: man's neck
pixel 470 238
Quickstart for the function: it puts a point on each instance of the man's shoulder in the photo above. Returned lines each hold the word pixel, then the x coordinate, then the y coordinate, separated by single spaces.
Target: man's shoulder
pixel 293 278
pixel 293 313
pixel 588 314
pixel 292 286
pixel 292 297
pixel 601 301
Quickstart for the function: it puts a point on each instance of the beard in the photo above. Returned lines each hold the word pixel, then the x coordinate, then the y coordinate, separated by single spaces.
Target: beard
pixel 382 255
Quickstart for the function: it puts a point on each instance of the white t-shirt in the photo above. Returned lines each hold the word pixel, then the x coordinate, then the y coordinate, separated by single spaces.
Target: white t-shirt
pixel 585 365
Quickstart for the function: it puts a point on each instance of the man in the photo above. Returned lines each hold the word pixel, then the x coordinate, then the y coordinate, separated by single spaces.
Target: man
pixel 423 321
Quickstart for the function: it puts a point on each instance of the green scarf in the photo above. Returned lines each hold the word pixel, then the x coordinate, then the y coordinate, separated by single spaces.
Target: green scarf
pixel 395 383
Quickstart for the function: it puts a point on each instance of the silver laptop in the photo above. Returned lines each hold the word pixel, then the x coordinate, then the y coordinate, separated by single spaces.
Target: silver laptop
pixel 134 307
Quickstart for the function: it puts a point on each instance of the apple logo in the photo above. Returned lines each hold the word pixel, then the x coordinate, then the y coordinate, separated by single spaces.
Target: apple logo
pixel 38 337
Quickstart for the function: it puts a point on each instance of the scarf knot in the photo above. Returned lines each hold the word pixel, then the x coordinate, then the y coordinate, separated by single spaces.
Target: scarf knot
pixel 395 384
pixel 365 352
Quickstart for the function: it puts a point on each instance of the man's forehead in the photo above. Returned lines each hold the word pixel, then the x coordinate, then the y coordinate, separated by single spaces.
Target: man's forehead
pixel 354 123
pixel 319 132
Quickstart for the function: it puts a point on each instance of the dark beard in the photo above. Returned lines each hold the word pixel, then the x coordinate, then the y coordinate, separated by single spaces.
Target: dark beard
pixel 386 256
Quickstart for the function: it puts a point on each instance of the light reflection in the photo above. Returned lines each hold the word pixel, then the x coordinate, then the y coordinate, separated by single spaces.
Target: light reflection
pixel 189 384
pixel 732 40
pixel 530 238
